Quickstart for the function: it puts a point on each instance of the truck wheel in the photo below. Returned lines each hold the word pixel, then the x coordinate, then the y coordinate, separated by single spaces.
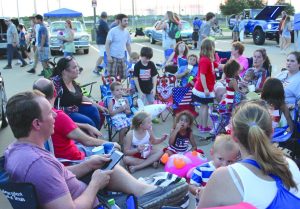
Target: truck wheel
pixel 259 36
pixel 86 51
pixel 152 41
pixel 52 52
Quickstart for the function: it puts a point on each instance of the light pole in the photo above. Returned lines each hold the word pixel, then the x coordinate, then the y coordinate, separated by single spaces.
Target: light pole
pixel 18 8
pixel 133 17
pixel 34 4
pixel 2 8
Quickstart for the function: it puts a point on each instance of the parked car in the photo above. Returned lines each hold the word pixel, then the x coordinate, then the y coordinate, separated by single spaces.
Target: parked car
pixel 81 39
pixel 3 29
pixel 262 24
pixel 156 35
pixel 3 101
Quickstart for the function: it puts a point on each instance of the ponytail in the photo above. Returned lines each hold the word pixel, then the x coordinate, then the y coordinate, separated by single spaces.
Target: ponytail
pixel 252 126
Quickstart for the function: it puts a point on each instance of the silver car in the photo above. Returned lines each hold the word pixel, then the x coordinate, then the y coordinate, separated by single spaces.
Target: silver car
pixel 81 39
pixel 3 101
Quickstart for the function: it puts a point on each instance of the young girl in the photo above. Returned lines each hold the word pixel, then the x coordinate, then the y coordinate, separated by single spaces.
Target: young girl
pixel 138 149
pixel 286 34
pixel 181 134
pixel 180 52
pixel 231 71
pixel 273 94
pixel 118 107
pixel 203 91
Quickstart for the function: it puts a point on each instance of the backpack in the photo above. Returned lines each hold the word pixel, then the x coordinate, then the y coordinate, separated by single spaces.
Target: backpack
pixel 174 31
pixel 284 199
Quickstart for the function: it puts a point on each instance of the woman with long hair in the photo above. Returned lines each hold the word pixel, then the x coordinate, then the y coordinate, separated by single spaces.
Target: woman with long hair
pixel 255 179
pixel 68 39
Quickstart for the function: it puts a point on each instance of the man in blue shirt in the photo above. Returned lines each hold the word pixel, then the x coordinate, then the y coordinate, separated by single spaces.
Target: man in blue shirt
pixel 101 38
pixel 12 43
pixel 42 45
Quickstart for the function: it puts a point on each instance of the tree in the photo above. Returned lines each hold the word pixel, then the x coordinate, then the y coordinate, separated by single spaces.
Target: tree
pixel 234 7
pixel 290 10
pixel 256 4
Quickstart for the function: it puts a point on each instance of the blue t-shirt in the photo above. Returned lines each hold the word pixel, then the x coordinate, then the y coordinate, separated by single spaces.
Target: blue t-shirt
pixel 184 79
pixel 43 31
pixel 197 24
pixel 22 40
pixel 102 32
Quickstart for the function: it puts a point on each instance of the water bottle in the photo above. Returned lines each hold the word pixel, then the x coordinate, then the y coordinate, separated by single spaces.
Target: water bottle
pixel 112 204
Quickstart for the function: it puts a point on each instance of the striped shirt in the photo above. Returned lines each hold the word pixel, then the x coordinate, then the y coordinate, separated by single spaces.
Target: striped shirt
pixel 181 142
pixel 202 173
pixel 229 92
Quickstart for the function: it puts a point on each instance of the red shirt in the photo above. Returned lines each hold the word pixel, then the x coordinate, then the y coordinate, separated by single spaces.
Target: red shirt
pixel 65 147
pixel 205 67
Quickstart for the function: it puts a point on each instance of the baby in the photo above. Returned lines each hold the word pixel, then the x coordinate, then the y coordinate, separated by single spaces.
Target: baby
pixel 246 82
pixel 223 152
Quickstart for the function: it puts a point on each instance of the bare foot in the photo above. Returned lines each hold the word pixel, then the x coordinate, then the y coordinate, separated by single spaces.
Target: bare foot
pixel 131 169
pixel 155 164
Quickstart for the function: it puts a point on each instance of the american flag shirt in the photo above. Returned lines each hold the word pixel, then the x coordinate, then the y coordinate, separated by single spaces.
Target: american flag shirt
pixel 182 96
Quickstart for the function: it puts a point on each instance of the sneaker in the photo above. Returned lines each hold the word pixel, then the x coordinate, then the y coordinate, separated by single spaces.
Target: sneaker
pixel 7 67
pixel 96 72
pixel 32 70
pixel 24 64
pixel 169 195
pixel 155 120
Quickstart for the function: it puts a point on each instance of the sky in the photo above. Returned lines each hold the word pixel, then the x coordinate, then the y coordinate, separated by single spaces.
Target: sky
pixel 142 7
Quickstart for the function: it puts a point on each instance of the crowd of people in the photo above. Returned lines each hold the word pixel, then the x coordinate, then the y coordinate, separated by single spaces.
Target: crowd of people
pixel 243 163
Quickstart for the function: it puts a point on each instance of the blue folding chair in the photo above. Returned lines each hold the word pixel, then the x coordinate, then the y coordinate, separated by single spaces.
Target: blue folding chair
pixel 108 118
pixel 20 195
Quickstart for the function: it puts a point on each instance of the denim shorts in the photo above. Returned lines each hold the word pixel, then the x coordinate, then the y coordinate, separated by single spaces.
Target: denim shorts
pixel 44 54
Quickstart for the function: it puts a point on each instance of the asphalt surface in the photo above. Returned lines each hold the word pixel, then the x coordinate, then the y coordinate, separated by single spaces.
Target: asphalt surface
pixel 17 80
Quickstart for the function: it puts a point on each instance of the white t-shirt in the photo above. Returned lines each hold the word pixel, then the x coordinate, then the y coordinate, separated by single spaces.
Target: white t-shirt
pixel 36 28
pixel 291 86
pixel 118 38
pixel 258 192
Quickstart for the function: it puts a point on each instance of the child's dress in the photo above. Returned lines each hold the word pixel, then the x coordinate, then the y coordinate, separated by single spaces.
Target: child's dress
pixel 227 102
pixel 120 120
pixel 181 144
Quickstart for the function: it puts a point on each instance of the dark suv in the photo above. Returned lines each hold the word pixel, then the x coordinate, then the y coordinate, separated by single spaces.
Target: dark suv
pixel 3 101
pixel 3 29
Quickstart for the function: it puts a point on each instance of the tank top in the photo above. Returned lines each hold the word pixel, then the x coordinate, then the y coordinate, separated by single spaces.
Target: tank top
pixel 69 46
pixel 229 97
pixel 181 143
pixel 135 141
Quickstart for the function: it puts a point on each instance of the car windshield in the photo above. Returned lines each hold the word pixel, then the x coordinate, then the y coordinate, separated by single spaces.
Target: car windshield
pixel 186 26
pixel 60 26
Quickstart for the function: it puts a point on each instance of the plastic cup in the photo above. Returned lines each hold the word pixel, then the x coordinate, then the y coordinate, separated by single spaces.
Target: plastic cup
pixel 108 147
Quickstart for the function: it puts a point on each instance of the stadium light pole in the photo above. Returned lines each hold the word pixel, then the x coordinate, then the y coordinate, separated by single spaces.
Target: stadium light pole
pixel 18 8
pixel 34 4
pixel 133 15
pixel 2 8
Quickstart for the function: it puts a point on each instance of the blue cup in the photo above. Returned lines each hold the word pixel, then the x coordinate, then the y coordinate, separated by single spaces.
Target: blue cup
pixel 108 147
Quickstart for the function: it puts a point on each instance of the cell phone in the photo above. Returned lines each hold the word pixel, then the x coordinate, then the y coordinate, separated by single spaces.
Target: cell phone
pixel 115 157
pixel 131 202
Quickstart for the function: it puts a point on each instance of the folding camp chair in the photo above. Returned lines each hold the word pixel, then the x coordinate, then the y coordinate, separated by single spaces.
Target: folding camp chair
pixel 108 118
pixel 165 85
pixel 105 87
pixel 20 195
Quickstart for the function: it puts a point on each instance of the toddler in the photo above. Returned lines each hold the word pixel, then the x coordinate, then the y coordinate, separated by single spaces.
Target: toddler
pixel 138 149
pixel 118 108
pixel 187 73
pixel 134 58
pixel 223 153
pixel 181 135
pixel 246 82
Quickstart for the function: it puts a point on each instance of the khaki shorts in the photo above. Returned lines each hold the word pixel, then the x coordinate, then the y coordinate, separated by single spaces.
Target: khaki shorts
pixel 117 68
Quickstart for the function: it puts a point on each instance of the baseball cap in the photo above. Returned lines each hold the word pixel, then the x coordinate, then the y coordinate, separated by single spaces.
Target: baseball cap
pixel 103 14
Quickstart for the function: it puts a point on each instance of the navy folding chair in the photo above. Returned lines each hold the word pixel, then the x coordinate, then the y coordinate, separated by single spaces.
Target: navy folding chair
pixel 20 195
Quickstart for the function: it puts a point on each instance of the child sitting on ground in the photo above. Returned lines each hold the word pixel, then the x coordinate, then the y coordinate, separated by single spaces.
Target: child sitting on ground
pixel 187 73
pixel 134 58
pixel 118 108
pixel 181 135
pixel 145 76
pixel 223 152
pixel 273 94
pixel 138 149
